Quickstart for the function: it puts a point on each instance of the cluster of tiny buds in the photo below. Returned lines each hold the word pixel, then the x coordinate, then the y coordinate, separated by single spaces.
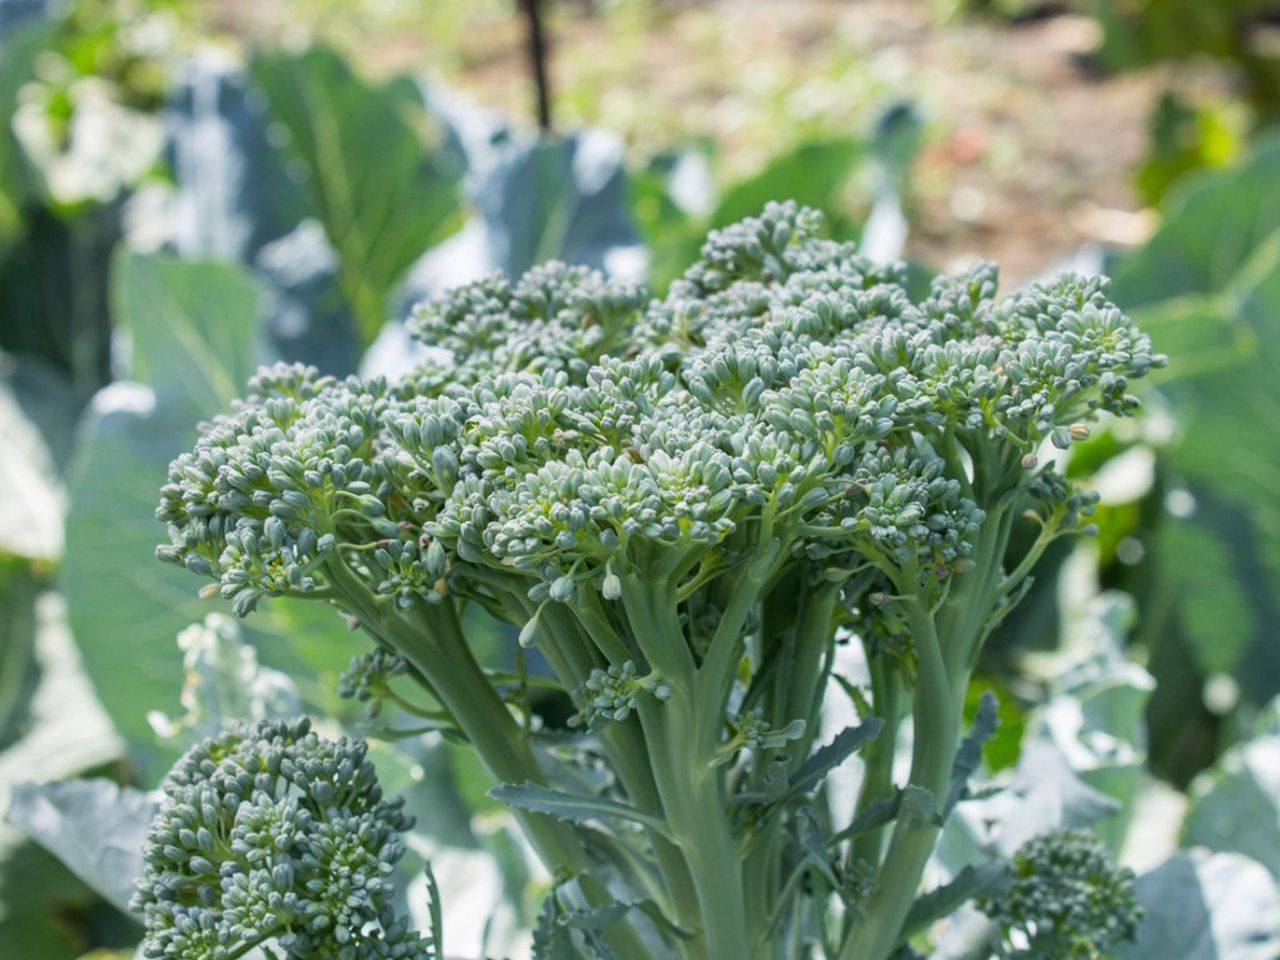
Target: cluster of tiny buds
pixel 271 835
pixel 785 382
pixel 612 693
pixel 1066 900
pixel 750 731
pixel 368 677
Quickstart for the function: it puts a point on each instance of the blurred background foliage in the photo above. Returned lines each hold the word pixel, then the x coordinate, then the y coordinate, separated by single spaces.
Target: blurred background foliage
pixel 189 188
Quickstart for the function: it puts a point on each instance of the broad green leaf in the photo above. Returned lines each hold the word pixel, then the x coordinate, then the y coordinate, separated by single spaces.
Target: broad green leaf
pixel 382 196
pixel 1044 795
pixel 126 607
pixel 47 398
pixel 942 901
pixel 1235 806
pixel 1198 336
pixel 1207 907
pixel 1221 565
pixel 65 730
pixel 64 733
pixel 232 193
pixel 95 827
pixel 813 174
pixel 1096 715
pixel 19 671
pixel 36 895
pixel 195 333
pixel 233 199
pixel 536 199
pixel 1213 606
pixel 31 503
pixel 1210 230
pixel 572 808
pixel 557 199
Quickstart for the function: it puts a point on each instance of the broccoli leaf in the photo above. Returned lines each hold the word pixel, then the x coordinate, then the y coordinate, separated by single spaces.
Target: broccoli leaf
pixel 825 759
pixel 1207 907
pixel 381 195
pixel 573 808
pixel 94 827
pixel 942 901
pixel 969 754
pixel 194 328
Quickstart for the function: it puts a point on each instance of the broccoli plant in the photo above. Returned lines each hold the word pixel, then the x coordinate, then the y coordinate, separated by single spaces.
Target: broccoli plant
pixel 685 505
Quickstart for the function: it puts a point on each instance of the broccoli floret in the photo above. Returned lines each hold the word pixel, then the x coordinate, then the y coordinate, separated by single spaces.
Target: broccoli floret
pixel 611 694
pixel 368 678
pixel 269 835
pixel 1068 900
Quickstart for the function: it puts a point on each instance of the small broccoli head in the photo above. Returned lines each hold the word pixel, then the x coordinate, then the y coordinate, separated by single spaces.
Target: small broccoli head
pixel 368 678
pixel 269 835
pixel 1068 900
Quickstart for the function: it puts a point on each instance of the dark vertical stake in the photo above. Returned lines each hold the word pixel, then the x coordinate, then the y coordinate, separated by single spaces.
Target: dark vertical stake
pixel 538 59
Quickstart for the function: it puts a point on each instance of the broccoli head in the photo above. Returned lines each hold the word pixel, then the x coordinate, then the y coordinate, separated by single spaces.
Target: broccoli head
pixel 270 836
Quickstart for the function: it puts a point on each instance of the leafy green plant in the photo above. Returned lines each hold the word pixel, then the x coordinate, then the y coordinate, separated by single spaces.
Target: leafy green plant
pixel 1137 33
pixel 381 215
pixel 789 446
pixel 1207 288
pixel 1186 137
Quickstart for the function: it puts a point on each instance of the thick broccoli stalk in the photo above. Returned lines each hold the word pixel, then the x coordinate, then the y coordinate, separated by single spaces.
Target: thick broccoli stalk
pixel 680 502
pixel 270 836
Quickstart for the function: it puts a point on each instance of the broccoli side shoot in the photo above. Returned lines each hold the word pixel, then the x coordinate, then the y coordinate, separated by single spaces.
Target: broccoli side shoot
pixel 1067 901
pixel 270 836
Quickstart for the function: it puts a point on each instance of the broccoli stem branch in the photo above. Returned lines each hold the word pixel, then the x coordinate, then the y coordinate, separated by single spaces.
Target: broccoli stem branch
pixel 937 723
pixel 433 643
pixel 877 782
pixel 682 735
pixel 624 745
pixel 814 627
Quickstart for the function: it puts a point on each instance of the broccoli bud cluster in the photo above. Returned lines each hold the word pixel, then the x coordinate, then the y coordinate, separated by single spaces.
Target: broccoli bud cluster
pixel 1068 900
pixel 786 387
pixel 611 694
pixel 368 676
pixel 269 835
